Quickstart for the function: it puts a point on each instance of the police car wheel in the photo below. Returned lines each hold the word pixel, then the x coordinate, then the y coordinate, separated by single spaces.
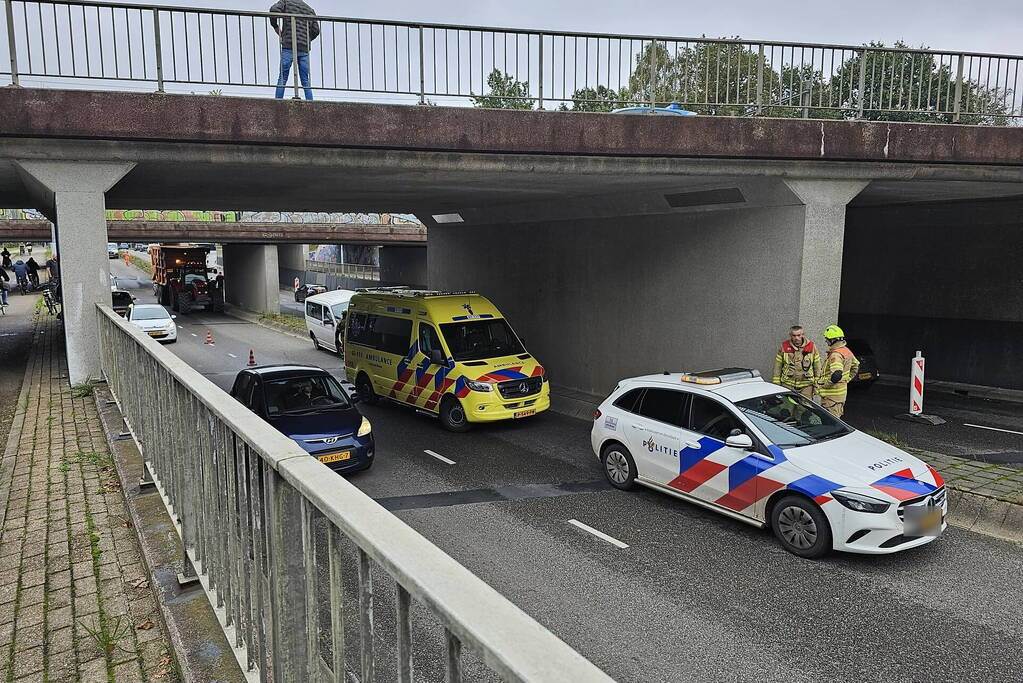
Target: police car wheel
pixel 452 415
pixel 801 527
pixel 619 467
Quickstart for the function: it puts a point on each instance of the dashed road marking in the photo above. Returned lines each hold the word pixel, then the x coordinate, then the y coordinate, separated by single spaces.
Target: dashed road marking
pixel 599 534
pixel 194 334
pixel 440 457
pixel 994 429
pixel 232 355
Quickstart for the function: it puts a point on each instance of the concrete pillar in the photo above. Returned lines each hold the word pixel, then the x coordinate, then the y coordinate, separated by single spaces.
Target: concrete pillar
pixel 72 192
pixel 251 280
pixel 820 280
pixel 403 266
pixel 291 260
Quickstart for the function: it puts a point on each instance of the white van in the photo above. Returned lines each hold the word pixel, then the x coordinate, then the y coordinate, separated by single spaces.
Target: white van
pixel 323 312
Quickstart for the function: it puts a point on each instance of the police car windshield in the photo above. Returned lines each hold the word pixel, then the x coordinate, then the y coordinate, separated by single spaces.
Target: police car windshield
pixel 790 420
pixel 479 339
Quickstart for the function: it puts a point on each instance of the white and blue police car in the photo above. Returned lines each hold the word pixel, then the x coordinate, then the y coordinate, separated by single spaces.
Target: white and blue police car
pixel 731 442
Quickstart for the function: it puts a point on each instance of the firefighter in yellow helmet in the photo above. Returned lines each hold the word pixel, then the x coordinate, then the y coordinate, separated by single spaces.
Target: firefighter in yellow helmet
pixel 797 365
pixel 841 366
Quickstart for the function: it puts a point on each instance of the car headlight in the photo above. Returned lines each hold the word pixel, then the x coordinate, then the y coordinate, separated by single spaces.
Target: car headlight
pixel 364 428
pixel 860 503
pixel 479 386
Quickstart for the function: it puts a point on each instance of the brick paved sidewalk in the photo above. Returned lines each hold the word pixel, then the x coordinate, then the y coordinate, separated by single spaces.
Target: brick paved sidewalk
pixel 75 601
pixel 1004 482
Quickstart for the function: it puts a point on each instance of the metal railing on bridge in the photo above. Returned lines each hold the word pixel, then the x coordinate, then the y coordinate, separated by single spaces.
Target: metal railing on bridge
pixel 54 42
pixel 288 550
pixel 356 271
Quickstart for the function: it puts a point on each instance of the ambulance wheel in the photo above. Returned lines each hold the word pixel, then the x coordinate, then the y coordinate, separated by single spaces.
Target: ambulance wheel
pixel 619 467
pixel 364 389
pixel 452 415
pixel 801 526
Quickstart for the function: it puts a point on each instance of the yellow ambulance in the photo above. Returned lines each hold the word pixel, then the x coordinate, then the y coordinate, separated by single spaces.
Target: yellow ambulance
pixel 450 354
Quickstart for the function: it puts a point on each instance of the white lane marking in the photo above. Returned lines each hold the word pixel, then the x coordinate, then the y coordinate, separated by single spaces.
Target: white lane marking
pixel 440 457
pixel 599 534
pixel 994 429
pixel 194 334
pixel 232 355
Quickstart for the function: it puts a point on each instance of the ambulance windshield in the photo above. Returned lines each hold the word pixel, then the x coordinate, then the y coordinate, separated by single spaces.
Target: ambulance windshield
pixel 480 339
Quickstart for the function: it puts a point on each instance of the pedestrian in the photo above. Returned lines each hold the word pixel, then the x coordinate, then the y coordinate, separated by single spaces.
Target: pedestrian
pixel 797 365
pixel 840 366
pixel 6 259
pixel 29 247
pixel 5 286
pixel 306 31
pixel 21 248
pixel 53 267
pixel 33 271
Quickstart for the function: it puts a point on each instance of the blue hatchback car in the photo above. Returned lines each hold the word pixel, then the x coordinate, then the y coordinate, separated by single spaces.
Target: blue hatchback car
pixel 308 405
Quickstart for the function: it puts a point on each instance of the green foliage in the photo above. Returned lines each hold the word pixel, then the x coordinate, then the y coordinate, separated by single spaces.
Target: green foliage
pixel 505 93
pixel 600 98
pixel 81 390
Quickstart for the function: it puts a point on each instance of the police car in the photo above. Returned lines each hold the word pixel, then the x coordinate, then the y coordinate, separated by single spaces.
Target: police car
pixel 729 441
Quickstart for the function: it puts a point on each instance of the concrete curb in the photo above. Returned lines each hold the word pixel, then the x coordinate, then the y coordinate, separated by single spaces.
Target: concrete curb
pixel 974 512
pixel 14 437
pixel 201 650
pixel 269 324
pixel 973 390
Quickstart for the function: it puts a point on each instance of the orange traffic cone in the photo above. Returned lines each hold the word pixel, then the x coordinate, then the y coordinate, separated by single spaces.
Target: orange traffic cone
pixel 252 358
pixel 209 337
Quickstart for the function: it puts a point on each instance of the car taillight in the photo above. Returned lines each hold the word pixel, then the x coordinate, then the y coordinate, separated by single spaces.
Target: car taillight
pixel 596 414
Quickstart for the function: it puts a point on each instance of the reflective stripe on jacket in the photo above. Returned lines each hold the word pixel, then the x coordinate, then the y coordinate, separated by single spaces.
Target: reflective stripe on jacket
pixel 795 367
pixel 839 358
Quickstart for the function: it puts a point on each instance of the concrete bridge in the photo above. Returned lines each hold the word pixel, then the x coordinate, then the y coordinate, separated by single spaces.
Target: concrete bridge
pixel 617 244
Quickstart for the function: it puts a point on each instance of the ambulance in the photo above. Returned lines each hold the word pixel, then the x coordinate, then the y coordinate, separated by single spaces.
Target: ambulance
pixel 449 354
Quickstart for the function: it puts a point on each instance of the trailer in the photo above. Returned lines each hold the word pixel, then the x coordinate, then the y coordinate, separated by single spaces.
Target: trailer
pixel 180 279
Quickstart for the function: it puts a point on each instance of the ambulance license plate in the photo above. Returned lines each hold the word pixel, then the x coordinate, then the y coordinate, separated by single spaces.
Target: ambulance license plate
pixel 524 413
pixel 335 457
pixel 865 375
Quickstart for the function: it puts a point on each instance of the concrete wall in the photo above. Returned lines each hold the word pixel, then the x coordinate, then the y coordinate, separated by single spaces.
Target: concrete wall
pixel 404 265
pixel 252 275
pixel 944 278
pixel 602 299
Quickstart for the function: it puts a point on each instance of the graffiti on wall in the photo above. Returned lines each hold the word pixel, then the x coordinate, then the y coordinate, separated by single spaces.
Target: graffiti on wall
pixel 323 217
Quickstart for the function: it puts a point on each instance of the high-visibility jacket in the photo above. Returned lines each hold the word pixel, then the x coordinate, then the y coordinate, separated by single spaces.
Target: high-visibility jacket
pixel 796 367
pixel 842 359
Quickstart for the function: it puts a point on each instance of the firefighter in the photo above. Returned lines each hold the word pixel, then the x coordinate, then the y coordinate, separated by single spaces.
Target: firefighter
pixel 797 365
pixel 841 366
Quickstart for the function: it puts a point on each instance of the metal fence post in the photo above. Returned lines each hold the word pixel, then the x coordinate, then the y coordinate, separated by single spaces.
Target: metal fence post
pixel 541 71
pixel 861 92
pixel 653 75
pixel 294 56
pixel 159 50
pixel 422 69
pixel 760 80
pixel 11 42
pixel 959 91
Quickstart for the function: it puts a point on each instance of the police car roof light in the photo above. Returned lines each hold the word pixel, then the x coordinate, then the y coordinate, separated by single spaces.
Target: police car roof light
pixel 720 375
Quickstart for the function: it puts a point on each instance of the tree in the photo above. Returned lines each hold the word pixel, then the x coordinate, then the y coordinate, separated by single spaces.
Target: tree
pixel 505 93
pixel 601 99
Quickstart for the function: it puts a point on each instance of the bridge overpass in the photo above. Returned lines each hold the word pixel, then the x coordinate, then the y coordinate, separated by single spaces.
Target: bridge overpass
pixel 730 229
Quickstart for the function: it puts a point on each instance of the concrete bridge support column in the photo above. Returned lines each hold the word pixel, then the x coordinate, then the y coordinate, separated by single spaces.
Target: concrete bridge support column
pixel 71 194
pixel 291 259
pixel 251 277
pixel 820 280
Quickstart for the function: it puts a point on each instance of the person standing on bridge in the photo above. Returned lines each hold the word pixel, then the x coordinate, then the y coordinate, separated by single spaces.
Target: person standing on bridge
pixel 306 31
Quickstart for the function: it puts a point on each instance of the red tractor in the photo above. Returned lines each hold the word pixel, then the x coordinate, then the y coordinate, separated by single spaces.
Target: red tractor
pixel 180 281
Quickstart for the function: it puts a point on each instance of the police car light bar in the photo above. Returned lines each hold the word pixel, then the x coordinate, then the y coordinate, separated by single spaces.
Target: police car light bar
pixel 720 375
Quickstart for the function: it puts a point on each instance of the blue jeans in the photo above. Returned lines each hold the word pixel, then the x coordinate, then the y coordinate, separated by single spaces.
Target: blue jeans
pixel 303 72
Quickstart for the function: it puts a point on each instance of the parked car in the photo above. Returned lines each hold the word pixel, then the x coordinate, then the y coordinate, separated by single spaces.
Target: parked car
pixel 730 442
pixel 324 318
pixel 111 250
pixel 868 372
pixel 121 301
pixel 673 109
pixel 154 320
pixel 123 246
pixel 309 406
pixel 305 291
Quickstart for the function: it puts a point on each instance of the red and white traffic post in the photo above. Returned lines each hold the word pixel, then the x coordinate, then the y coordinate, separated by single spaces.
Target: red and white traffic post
pixel 916 385
pixel 297 284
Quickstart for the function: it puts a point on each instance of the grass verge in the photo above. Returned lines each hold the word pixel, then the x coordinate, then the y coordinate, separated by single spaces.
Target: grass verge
pixel 294 321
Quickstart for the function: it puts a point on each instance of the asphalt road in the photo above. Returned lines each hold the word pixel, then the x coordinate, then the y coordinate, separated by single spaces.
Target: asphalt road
pixel 694 596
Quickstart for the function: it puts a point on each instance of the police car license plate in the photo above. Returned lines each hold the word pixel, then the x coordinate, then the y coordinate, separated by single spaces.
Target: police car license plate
pixel 922 521
pixel 865 375
pixel 335 457
pixel 524 413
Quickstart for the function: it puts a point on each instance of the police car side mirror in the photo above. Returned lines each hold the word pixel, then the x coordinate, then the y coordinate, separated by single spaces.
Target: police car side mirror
pixel 742 441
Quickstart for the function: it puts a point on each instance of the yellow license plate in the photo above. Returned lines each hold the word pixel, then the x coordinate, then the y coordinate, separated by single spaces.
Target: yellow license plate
pixel 865 375
pixel 157 334
pixel 524 413
pixel 335 457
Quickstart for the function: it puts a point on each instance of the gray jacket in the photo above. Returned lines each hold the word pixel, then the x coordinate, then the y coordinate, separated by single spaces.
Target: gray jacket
pixel 306 31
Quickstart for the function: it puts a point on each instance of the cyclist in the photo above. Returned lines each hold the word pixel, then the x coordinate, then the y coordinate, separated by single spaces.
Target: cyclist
pixel 33 272
pixel 21 272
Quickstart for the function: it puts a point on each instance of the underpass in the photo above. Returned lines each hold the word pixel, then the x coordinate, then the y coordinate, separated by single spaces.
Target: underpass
pixel 694 595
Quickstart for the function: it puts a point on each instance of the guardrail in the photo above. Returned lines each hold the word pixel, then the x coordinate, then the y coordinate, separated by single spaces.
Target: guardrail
pixel 49 41
pixel 279 542
pixel 353 270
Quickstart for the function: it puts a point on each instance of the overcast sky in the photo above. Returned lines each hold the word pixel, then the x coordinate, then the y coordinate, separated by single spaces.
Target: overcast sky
pixel 992 26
